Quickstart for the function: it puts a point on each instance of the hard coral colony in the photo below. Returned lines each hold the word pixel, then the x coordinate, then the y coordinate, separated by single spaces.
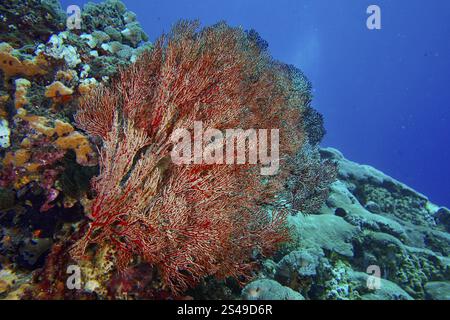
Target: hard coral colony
pixel 143 217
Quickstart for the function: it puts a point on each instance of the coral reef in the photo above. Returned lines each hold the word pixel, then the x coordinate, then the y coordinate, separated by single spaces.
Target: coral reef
pixel 266 289
pixel 86 180
pixel 11 65
pixel 25 22
pixel 46 164
pixel 369 219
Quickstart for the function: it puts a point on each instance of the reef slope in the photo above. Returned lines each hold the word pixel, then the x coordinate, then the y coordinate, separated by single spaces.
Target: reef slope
pixel 370 222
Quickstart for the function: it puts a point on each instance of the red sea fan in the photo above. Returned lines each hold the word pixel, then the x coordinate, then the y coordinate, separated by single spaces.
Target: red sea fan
pixel 195 220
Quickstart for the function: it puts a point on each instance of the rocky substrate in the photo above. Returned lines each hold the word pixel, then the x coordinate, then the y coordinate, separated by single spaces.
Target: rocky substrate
pixel 369 222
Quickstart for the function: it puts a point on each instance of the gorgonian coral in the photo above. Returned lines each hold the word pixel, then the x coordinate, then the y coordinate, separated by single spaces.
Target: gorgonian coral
pixel 188 221
pixel 313 125
pixel 308 183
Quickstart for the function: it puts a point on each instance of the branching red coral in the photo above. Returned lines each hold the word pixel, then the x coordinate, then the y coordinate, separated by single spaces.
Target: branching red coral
pixel 195 220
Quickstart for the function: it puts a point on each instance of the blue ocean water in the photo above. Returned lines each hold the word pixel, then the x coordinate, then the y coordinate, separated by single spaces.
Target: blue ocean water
pixel 384 93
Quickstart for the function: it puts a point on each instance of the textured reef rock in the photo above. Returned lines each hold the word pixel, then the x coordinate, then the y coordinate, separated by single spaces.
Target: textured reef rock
pixel 369 219
pixel 24 22
pixel 266 289
pixel 45 162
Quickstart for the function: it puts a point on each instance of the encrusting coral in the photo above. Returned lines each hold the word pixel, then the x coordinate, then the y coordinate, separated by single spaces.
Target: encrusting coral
pixel 45 162
pixel 20 96
pixel 12 66
pixel 77 142
pixel 57 89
